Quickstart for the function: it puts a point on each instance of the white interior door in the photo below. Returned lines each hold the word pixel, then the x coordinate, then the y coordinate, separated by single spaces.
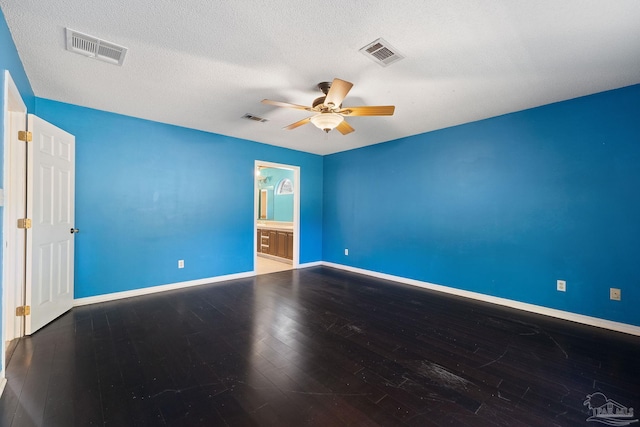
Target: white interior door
pixel 50 205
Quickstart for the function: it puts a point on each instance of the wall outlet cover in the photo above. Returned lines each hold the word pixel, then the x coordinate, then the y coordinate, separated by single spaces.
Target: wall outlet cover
pixel 615 294
pixel 561 285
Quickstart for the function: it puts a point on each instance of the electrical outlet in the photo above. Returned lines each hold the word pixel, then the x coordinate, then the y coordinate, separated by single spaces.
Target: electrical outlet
pixel 561 285
pixel 180 263
pixel 346 252
pixel 615 294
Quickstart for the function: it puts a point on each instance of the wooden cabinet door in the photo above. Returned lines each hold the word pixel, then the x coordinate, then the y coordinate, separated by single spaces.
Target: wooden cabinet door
pixel 276 243
pixel 282 244
pixel 289 246
pixel 273 243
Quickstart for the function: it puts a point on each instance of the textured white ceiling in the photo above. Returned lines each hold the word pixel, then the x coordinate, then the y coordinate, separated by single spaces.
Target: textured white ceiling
pixel 203 64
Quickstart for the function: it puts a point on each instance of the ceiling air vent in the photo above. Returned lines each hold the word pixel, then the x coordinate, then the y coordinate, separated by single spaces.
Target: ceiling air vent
pixel 93 47
pixel 254 118
pixel 381 52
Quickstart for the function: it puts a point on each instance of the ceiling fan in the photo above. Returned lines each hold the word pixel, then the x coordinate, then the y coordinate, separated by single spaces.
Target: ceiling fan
pixel 329 111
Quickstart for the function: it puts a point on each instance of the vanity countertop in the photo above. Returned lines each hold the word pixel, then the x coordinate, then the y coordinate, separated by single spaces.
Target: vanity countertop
pixel 275 225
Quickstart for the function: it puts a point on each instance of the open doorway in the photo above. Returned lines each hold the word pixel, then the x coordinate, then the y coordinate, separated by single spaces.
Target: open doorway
pixel 276 217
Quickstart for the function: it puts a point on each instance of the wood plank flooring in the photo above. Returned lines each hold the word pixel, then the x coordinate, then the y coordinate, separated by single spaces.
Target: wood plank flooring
pixel 313 347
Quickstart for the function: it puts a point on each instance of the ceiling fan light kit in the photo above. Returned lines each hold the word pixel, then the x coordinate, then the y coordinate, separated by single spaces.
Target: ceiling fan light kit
pixel 330 113
pixel 327 121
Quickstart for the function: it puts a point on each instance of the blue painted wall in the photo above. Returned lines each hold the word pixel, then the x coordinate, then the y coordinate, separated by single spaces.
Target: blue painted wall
pixel 149 194
pixel 504 206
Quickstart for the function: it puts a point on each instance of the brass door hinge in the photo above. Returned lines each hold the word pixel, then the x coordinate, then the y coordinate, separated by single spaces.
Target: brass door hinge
pixel 23 310
pixel 25 136
pixel 24 223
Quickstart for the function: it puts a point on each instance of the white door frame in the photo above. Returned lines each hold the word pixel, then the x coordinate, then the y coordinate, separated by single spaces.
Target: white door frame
pixel 296 209
pixel 14 172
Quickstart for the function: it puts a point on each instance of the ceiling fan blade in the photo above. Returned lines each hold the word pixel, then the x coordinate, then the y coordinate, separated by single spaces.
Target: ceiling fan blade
pixel 298 123
pixel 373 110
pixel 286 105
pixel 337 92
pixel 344 127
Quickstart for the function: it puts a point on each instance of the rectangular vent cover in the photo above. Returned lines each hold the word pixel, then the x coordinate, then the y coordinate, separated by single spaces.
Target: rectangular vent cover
pixel 381 52
pixel 94 47
pixel 254 118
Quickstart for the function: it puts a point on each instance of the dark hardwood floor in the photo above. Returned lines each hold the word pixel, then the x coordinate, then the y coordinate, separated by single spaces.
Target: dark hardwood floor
pixel 317 347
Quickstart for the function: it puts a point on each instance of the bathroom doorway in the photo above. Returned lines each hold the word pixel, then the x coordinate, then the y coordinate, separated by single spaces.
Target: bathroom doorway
pixel 276 217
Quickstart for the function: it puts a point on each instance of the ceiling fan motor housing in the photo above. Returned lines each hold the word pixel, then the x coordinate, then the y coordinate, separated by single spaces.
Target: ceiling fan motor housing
pixel 318 101
pixel 324 87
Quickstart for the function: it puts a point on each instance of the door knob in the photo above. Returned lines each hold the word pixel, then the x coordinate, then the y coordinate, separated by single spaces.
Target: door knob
pixel 75 230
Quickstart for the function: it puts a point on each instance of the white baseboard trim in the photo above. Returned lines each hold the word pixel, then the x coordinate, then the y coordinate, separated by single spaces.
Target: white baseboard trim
pixel 160 288
pixel 3 383
pixel 169 287
pixel 310 264
pixel 560 314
